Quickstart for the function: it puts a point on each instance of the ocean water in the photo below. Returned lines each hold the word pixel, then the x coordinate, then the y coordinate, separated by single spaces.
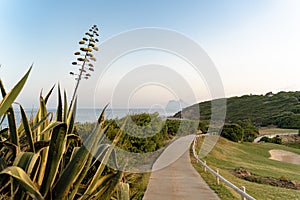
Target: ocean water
pixel 91 115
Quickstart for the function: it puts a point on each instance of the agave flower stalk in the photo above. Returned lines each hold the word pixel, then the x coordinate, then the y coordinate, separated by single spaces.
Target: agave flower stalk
pixel 85 56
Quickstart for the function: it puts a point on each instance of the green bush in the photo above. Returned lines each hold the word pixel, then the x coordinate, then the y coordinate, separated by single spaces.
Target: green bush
pixel 275 140
pixel 233 132
pixel 250 131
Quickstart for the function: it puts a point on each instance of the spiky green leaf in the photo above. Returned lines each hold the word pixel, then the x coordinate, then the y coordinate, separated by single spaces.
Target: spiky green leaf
pixel 12 95
pixel 23 179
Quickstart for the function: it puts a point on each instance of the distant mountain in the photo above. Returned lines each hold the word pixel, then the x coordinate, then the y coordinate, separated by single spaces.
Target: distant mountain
pixel 175 106
pixel 281 109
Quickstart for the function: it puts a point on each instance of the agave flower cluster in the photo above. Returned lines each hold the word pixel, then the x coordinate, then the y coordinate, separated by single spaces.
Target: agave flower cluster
pixel 85 56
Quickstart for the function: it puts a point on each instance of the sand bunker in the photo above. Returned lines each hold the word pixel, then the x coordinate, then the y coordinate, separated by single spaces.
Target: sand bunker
pixel 285 156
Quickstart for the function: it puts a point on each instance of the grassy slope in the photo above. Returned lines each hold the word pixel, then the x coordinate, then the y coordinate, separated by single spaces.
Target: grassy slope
pixel 228 155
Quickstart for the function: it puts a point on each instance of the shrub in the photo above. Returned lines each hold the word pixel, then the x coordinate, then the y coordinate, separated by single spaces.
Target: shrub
pixel 250 131
pixel 233 132
pixel 275 140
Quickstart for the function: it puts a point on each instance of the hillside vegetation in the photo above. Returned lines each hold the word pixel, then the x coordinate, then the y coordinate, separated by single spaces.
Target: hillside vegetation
pixel 281 109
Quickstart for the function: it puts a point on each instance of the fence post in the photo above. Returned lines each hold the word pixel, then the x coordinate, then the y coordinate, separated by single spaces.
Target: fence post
pixel 217 178
pixel 244 190
pixel 204 166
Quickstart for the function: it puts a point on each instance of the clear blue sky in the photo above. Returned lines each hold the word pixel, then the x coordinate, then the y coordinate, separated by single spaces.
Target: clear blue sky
pixel 255 44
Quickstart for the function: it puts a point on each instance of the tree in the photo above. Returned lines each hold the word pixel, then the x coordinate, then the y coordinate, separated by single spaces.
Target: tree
pixel 233 132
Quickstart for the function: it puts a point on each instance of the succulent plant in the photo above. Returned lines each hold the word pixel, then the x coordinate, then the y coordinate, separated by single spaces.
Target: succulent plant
pixel 42 158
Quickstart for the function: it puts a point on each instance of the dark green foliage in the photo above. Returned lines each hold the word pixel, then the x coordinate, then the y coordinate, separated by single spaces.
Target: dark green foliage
pixel 203 126
pixel 281 109
pixel 275 140
pixel 142 119
pixel 250 131
pixel 233 132
pixel 146 132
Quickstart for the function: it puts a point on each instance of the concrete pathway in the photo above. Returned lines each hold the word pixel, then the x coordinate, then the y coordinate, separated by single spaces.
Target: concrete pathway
pixel 179 180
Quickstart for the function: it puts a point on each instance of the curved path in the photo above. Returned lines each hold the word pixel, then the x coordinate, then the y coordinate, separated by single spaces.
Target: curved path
pixel 179 180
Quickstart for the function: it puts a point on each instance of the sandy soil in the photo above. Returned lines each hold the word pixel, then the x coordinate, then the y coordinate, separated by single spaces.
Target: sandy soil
pixel 285 156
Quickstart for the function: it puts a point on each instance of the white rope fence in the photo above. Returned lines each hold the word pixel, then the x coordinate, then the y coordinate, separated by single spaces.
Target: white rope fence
pixel 241 191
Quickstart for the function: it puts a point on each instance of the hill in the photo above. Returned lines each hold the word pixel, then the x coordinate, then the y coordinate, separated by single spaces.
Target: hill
pixel 281 109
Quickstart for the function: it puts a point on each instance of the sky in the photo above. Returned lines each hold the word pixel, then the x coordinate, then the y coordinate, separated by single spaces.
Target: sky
pixel 254 45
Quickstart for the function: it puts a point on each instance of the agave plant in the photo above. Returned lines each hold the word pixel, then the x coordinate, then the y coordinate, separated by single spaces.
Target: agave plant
pixel 42 158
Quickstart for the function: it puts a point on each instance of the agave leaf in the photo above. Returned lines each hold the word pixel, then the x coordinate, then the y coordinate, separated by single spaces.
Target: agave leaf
pixel 2 119
pixel 34 126
pixel 39 145
pixel 59 107
pixel 13 150
pixel 100 153
pixel 102 185
pixel 106 195
pixel 101 119
pixel 55 153
pixel 14 138
pixel 123 191
pixel 29 162
pixel 71 117
pixel 88 165
pixel 76 165
pixel 23 179
pixel 43 112
pixel 65 114
pixel 2 164
pixel 41 121
pixel 73 137
pixel 36 118
pixel 70 174
pixel 27 129
pixel 80 178
pixel 4 131
pixel 75 150
pixel 12 95
pixel 48 94
pixel 51 126
pixel 93 185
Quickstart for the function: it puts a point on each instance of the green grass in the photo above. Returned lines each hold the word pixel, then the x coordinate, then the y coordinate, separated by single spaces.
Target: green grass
pixel 293 145
pixel 228 155
pixel 264 131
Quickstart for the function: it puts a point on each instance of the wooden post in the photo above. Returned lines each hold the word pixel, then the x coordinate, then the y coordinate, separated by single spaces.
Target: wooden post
pixel 244 190
pixel 217 178
pixel 204 166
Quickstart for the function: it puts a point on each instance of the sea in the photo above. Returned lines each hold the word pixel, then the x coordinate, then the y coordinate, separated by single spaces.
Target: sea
pixel 91 115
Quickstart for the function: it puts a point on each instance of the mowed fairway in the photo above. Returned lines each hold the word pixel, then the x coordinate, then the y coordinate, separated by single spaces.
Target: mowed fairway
pixel 270 131
pixel 228 155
